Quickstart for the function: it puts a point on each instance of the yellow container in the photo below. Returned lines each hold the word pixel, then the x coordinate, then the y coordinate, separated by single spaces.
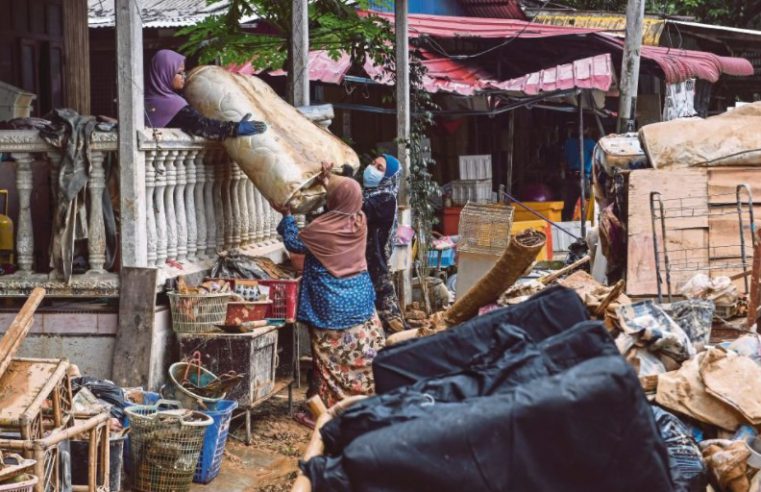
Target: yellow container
pixel 540 225
pixel 551 210
pixel 6 232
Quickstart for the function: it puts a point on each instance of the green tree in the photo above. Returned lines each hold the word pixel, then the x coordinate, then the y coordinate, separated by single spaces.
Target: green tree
pixel 334 25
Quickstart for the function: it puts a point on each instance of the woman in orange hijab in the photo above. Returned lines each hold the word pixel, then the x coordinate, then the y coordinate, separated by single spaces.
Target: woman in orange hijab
pixel 337 298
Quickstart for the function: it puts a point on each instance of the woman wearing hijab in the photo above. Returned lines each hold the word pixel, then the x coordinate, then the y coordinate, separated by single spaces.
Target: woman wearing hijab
pixel 381 180
pixel 165 108
pixel 337 299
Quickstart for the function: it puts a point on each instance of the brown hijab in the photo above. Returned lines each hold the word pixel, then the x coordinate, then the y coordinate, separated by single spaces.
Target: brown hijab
pixel 338 237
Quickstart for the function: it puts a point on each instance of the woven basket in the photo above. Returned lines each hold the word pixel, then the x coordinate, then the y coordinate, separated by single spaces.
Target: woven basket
pixel 485 228
pixel 198 313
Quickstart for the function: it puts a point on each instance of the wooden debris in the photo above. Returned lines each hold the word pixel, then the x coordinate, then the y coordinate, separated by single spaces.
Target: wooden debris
pixel 19 329
pixel 755 288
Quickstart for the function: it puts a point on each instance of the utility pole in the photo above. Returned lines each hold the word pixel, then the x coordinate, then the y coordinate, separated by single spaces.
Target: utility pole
pixel 299 70
pixel 403 125
pixel 129 67
pixel 635 17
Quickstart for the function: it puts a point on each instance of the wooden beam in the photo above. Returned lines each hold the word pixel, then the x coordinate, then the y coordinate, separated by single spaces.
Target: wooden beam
pixel 129 61
pixel 76 64
pixel 19 328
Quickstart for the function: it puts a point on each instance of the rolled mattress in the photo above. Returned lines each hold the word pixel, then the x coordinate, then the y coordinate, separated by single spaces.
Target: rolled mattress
pixel 284 161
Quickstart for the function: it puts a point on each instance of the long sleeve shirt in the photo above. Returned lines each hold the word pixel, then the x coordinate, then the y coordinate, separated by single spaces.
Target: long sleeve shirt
pixel 325 301
pixel 191 121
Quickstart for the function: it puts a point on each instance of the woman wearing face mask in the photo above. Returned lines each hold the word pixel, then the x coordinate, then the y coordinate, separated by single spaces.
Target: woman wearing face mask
pixel 381 180
pixel 165 108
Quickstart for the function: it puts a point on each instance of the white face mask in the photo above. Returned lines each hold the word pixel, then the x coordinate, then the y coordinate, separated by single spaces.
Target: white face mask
pixel 372 177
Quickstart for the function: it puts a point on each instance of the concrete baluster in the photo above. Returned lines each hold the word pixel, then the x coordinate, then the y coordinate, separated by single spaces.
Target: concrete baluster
pixel 179 205
pixel 158 199
pixel 169 204
pixel 221 211
pixel 150 211
pixel 244 210
pixel 212 203
pixel 190 207
pixel 235 205
pixel 259 216
pixel 96 242
pixel 24 234
pixel 251 201
pixel 200 204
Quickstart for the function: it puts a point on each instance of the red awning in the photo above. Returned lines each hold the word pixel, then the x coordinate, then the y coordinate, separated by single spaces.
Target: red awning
pixel 588 73
pixel 679 65
pixel 454 77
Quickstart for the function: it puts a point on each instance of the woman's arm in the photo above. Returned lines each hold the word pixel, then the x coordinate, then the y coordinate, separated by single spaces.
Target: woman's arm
pixel 193 122
pixel 290 232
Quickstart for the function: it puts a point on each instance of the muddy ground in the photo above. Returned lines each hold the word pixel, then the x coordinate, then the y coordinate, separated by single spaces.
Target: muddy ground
pixel 271 462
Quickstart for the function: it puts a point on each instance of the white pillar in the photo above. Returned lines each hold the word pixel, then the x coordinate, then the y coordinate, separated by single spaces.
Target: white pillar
pixel 179 205
pixel 211 204
pixel 171 216
pixel 96 241
pixel 221 211
pixel 24 233
pixel 190 207
pixel 235 208
pixel 200 204
pixel 259 216
pixel 627 108
pixel 158 200
pixel 402 94
pixel 243 210
pixel 150 210
pixel 129 66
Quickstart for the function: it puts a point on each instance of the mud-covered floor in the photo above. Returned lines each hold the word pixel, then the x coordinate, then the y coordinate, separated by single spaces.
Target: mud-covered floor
pixel 270 463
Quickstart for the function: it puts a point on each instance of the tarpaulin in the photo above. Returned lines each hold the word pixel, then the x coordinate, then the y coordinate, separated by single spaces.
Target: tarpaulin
pixel 498 371
pixel 547 313
pixel 587 428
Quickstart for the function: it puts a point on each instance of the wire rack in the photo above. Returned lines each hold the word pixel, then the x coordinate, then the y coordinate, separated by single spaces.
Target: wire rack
pixel 665 214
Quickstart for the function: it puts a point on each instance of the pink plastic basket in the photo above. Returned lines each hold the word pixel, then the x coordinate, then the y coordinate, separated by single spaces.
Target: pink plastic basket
pixel 26 486
pixel 285 298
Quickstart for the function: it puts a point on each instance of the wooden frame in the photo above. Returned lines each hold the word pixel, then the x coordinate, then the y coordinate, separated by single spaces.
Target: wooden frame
pixel 45 449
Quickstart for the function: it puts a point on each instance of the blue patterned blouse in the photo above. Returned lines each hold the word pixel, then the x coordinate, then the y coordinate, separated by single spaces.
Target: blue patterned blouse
pixel 328 302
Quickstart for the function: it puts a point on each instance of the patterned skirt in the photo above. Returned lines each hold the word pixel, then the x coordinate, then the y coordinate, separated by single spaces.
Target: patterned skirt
pixel 342 360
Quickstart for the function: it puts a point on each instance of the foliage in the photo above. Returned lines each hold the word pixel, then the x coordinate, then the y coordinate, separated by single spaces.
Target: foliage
pixel 334 26
pixel 422 187
pixel 736 13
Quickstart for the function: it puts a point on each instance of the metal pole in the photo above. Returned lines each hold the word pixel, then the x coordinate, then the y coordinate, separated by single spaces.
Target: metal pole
pixel 510 153
pixel 635 16
pixel 299 72
pixel 583 168
pixel 129 67
pixel 403 124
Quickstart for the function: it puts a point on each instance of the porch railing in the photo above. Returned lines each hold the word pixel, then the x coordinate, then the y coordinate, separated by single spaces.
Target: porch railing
pixel 198 203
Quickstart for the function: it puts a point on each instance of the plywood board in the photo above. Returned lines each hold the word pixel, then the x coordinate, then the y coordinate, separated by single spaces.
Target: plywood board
pixel 684 192
pixel 722 184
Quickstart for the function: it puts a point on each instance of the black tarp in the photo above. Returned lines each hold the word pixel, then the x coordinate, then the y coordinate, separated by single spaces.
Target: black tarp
pixel 588 428
pixel 498 371
pixel 548 313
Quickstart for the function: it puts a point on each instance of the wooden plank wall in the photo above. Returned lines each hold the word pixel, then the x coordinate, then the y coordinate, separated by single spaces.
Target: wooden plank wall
pixel 705 231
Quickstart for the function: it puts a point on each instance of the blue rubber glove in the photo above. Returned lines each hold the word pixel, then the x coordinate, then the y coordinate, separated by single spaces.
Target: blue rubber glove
pixel 246 127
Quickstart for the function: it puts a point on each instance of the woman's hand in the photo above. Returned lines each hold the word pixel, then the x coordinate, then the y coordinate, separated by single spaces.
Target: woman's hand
pixel 248 127
pixel 324 177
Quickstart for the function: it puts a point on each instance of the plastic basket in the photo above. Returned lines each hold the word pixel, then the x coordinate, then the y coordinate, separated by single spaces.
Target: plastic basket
pixel 197 313
pixel 27 485
pixel 165 446
pixel 485 228
pixel 214 440
pixel 285 298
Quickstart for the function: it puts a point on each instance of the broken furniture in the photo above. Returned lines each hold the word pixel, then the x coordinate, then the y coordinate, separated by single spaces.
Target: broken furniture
pixel 254 355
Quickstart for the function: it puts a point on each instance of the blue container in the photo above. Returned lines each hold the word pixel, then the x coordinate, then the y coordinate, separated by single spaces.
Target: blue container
pixel 447 258
pixel 214 440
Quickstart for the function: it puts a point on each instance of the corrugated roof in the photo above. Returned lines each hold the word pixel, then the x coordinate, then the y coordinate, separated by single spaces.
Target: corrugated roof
pixel 156 13
pixel 504 9
pixel 451 76
pixel 588 73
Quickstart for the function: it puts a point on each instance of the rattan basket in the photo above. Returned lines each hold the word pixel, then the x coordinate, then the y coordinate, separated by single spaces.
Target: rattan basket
pixel 165 446
pixel 485 228
pixel 198 313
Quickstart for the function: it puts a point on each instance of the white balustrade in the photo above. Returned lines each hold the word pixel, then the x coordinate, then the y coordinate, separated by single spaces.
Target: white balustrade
pixel 158 199
pixel 190 208
pixel 96 241
pixel 200 205
pixel 169 202
pixel 150 209
pixel 179 200
pixel 24 234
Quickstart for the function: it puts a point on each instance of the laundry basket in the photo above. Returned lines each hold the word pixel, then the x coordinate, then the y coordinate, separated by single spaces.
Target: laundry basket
pixel 26 484
pixel 198 313
pixel 165 443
